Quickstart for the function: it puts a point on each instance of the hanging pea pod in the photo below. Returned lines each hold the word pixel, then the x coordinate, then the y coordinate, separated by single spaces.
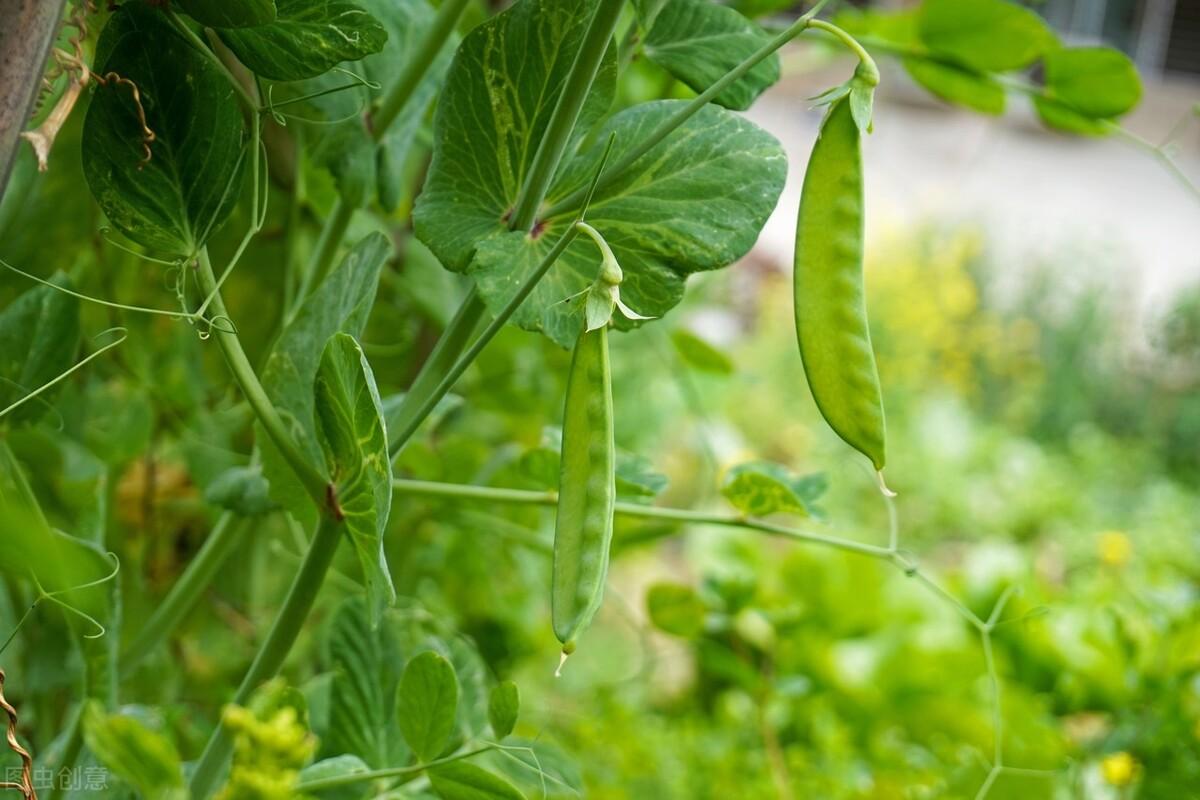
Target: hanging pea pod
pixel 831 314
pixel 587 490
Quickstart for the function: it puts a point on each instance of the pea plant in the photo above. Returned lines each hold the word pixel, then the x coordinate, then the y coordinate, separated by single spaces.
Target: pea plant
pixel 508 146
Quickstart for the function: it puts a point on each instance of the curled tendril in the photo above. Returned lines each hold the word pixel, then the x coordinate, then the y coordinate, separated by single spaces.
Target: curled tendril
pixel 220 323
pixel 25 786
pixel 148 136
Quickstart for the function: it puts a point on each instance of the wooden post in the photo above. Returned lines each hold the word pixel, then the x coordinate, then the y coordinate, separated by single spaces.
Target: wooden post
pixel 27 32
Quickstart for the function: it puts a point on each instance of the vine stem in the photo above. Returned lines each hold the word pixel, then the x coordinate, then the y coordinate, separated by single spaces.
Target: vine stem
pixel 243 373
pixel 273 651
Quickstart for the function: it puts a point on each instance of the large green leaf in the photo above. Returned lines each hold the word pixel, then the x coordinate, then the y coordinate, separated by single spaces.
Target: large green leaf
pixel 696 201
pixel 426 704
pixel 499 94
pixel 461 780
pixel 308 37
pixel 698 42
pixel 175 200
pixel 1093 81
pixel 39 336
pixel 360 166
pixel 350 425
pixel 366 662
pixel 341 303
pixel 989 35
pixel 143 758
pixel 229 13
pixel 958 85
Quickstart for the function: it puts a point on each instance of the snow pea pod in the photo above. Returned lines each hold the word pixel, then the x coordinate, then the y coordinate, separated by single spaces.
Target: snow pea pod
pixel 587 490
pixel 831 312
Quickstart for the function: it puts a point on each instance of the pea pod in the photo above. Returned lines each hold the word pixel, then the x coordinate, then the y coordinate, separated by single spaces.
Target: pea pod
pixel 587 490
pixel 831 313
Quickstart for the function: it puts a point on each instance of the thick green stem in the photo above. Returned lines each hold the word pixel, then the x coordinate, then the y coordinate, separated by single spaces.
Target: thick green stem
pixel 186 591
pixel 273 652
pixel 416 67
pixel 243 374
pixel 644 146
pixel 562 122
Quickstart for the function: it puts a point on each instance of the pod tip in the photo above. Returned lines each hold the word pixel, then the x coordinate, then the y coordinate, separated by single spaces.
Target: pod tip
pixel 883 487
pixel 561 660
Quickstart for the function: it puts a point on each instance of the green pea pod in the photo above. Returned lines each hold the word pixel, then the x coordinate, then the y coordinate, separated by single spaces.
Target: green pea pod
pixel 587 490
pixel 831 311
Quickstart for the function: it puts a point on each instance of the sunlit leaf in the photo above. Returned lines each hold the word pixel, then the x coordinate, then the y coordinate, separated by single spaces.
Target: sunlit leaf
pixel 700 354
pixel 760 488
pixel 426 704
pixel 350 425
pixel 957 85
pixel 984 34
pixel 1093 81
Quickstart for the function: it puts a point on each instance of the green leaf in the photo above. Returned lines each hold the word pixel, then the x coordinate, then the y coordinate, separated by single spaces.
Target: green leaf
pixel 229 13
pixel 698 42
pixel 366 664
pixel 676 609
pixel 696 201
pixel 1093 81
pixel 337 767
pixel 307 38
pixel 700 354
pixel 426 704
pixel 341 303
pixel 242 490
pixel 988 35
pixel 637 478
pixel 143 758
pixel 1066 119
pixel 513 66
pixel 460 780
pixel 39 337
pixel 173 202
pixel 958 85
pixel 351 428
pixel 504 705
pixel 761 488
pixel 361 167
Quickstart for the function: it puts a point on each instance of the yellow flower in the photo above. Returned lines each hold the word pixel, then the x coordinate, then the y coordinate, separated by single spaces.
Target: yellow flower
pixel 1119 769
pixel 1115 548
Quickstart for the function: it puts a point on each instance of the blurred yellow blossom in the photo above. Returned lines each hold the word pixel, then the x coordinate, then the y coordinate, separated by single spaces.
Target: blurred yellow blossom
pixel 1115 548
pixel 1119 769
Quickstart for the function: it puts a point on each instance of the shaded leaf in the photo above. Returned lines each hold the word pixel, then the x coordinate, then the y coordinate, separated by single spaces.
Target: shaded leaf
pixel 426 704
pixel 350 425
pixel 698 42
pixel 173 202
pixel 461 780
pixel 39 337
pixel 229 13
pixel 1066 119
pixel 504 705
pixel 242 490
pixel 637 478
pixel 307 38
pixel 143 758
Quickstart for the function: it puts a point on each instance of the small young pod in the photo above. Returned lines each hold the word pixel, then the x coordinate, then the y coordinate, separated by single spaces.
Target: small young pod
pixel 587 490
pixel 831 313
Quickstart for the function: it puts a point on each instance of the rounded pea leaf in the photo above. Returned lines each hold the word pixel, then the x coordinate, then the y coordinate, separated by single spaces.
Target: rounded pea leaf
pixel 307 38
pixel 461 780
pixel 699 354
pixel 504 705
pixel 350 424
pixel 760 488
pixel 958 85
pixel 676 609
pixel 698 42
pixel 989 35
pixel 1066 119
pixel 1092 81
pixel 426 703
pixel 229 13
pixel 173 201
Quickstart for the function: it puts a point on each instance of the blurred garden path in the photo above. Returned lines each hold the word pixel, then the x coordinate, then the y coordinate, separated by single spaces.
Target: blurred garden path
pixel 1093 204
